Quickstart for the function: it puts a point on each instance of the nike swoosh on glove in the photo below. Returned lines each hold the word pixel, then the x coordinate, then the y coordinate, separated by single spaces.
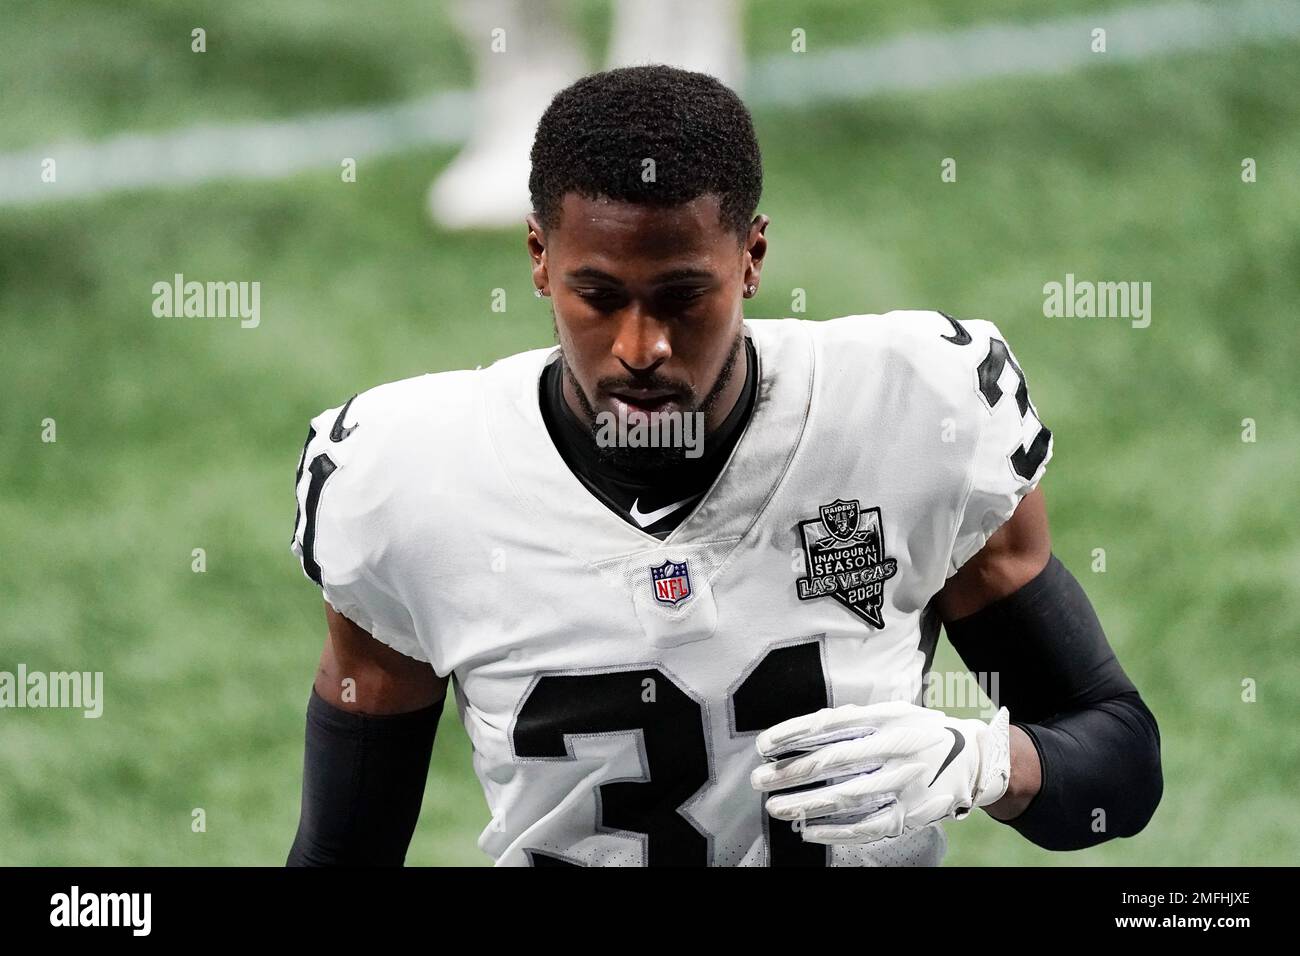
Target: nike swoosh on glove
pixel 888 768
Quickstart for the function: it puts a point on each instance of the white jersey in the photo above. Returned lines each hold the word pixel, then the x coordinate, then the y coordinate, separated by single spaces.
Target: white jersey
pixel 612 683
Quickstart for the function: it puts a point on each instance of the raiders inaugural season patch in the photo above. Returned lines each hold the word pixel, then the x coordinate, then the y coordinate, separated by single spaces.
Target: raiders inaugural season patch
pixel 844 551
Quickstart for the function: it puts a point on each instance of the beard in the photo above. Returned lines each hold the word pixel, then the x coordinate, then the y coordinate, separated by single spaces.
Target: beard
pixel 649 462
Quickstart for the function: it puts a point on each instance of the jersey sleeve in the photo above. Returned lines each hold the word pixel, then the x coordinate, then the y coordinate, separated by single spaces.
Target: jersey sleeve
pixel 1013 447
pixel 344 526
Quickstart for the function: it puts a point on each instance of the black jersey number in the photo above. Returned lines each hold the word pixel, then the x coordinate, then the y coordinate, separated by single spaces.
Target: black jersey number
pixel 785 682
pixel 322 466
pixel 1025 461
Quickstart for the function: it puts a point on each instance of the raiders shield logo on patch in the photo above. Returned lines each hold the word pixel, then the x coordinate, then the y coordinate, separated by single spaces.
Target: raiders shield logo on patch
pixel 844 553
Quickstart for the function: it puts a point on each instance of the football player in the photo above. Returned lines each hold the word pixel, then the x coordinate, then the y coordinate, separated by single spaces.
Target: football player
pixel 708 656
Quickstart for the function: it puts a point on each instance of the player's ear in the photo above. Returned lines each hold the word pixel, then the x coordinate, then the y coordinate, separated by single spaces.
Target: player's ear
pixel 755 249
pixel 537 252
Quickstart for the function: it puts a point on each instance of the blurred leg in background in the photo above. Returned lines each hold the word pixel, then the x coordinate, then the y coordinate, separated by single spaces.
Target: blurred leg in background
pixel 700 35
pixel 486 186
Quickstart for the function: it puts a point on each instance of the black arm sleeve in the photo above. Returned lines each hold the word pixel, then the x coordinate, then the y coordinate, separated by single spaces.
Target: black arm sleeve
pixel 362 784
pixel 1098 743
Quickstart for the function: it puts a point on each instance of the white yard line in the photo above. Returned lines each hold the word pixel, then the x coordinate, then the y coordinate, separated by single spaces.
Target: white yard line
pixel 915 61
pixel 927 61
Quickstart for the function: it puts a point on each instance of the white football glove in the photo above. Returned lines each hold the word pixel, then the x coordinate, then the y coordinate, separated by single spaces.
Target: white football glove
pixel 889 768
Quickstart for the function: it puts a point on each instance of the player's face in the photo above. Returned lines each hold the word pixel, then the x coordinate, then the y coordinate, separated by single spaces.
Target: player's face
pixel 647 304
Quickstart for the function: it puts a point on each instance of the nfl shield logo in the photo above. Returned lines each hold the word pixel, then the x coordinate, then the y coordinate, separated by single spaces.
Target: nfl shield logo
pixel 672 582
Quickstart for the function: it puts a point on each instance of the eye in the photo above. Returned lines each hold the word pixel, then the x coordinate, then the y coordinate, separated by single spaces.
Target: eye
pixel 683 294
pixel 597 296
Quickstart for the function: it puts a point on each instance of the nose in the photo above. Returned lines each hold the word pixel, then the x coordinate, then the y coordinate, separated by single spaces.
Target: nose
pixel 641 342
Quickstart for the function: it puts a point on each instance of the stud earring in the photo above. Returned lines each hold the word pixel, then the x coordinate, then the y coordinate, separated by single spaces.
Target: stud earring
pixel 750 290
pixel 538 293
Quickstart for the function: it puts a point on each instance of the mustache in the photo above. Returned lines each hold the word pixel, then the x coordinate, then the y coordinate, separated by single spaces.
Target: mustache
pixel 648 383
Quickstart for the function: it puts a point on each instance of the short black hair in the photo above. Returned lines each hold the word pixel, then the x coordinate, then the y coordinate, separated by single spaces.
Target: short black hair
pixel 595 136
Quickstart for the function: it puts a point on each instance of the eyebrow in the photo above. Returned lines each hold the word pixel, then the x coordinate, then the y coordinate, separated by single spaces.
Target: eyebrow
pixel 673 275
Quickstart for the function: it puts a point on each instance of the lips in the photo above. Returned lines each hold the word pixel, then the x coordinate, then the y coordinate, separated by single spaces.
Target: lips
pixel 644 401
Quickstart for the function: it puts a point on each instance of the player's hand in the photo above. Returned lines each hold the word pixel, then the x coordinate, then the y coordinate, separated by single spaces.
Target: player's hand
pixel 888 768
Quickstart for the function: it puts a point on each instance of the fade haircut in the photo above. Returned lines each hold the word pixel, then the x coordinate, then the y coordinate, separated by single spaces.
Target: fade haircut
pixel 595 136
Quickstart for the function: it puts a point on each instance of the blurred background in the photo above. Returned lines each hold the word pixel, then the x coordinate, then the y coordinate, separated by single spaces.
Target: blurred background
pixel 177 434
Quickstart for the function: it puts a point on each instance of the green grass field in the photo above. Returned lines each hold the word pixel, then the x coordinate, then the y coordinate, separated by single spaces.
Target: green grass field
pixel 175 434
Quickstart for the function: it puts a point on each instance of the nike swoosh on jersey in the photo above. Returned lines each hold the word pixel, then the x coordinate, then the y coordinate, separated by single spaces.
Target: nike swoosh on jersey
pixel 958 743
pixel 645 520
pixel 338 432
pixel 960 336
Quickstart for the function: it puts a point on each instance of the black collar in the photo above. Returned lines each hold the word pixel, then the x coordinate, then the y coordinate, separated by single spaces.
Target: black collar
pixel 622 491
